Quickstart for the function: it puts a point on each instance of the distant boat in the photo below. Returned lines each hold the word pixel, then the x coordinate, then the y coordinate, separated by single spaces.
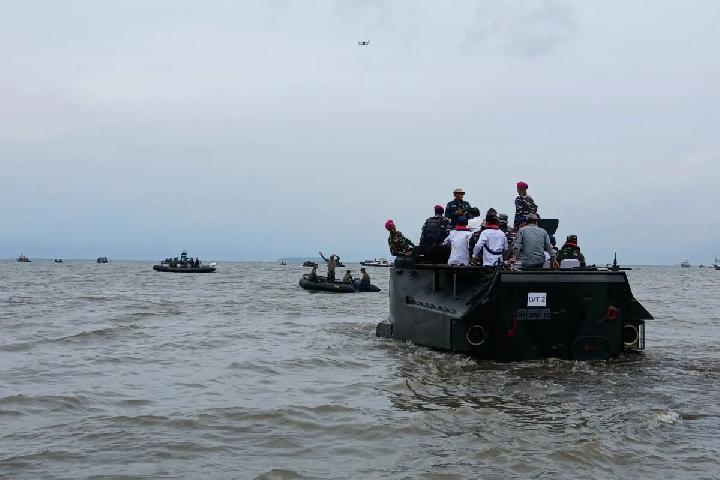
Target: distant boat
pixel 685 264
pixel 308 263
pixel 377 262
pixel 23 259
pixel 283 263
pixel 184 265
pixel 717 263
pixel 102 260
pixel 58 260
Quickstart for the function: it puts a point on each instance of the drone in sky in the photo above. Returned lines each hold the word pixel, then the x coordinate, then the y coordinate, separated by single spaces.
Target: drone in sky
pixel 363 43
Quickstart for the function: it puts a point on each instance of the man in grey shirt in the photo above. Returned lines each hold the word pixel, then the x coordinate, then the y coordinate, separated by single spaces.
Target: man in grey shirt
pixel 530 244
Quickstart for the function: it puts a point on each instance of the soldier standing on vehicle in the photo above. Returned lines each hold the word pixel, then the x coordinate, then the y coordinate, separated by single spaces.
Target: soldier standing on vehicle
pixel 457 207
pixel 524 203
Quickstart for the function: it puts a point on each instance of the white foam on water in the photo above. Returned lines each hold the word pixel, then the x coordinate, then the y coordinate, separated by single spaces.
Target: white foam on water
pixel 665 418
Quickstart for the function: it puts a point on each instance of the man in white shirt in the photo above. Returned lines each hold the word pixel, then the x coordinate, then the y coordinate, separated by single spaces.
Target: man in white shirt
pixel 459 241
pixel 476 221
pixel 492 242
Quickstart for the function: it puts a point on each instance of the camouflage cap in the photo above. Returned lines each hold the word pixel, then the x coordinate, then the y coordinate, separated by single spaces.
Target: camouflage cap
pixel 572 239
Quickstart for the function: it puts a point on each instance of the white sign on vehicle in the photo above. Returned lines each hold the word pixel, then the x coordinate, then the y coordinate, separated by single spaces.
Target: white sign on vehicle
pixel 537 299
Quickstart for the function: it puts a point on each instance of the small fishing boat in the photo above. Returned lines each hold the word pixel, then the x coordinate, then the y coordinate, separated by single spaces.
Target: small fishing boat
pixel 685 264
pixel 377 262
pixel 58 260
pixel 308 263
pixel 717 263
pixel 102 260
pixel 322 285
pixel 23 259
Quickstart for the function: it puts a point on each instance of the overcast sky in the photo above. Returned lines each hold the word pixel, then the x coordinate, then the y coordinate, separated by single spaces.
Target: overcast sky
pixel 256 130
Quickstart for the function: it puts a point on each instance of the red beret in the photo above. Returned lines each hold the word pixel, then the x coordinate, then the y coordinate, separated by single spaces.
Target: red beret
pixel 522 185
pixel 389 224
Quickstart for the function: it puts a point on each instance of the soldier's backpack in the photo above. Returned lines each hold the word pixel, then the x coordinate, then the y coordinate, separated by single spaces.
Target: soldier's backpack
pixel 433 233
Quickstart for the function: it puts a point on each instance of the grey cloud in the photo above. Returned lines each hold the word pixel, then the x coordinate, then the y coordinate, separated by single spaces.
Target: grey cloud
pixel 375 13
pixel 521 27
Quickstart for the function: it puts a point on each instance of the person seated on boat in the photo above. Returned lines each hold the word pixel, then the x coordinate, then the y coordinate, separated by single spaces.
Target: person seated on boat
pixel 530 246
pixel 312 276
pixel 492 243
pixel 197 262
pixel 434 231
pixel 399 244
pixel 459 241
pixel 571 249
pixel 365 280
pixel 347 278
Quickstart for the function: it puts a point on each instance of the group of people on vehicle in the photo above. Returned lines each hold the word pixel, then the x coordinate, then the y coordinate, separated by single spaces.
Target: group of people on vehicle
pixel 459 235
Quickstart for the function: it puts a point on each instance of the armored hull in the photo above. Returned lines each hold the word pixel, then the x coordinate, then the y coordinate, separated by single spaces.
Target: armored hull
pixel 515 315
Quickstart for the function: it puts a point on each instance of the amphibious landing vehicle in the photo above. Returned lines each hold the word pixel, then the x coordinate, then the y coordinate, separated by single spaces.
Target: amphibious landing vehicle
pixel 506 315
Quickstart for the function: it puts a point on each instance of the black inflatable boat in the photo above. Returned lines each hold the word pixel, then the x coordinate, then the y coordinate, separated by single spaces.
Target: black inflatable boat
pixel 322 285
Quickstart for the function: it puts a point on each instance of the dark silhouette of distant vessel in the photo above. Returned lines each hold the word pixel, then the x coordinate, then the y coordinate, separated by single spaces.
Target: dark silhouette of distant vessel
pixel 377 262
pixel 184 265
pixel 102 260
pixel 23 259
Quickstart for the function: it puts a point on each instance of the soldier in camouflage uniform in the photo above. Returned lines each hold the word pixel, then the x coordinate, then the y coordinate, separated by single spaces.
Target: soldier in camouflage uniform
pixel 399 244
pixel 571 250
pixel 365 280
pixel 524 203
